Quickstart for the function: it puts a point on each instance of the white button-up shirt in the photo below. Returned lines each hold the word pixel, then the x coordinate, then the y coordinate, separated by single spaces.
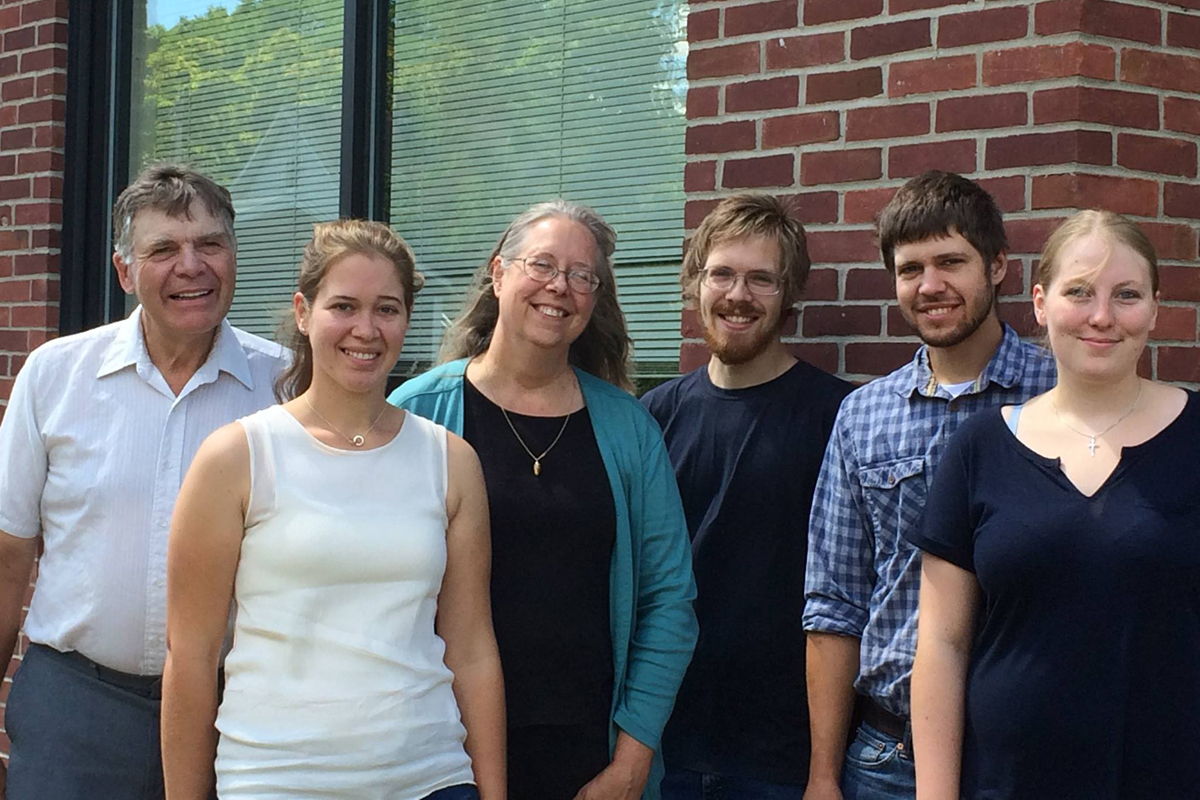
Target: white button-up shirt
pixel 94 446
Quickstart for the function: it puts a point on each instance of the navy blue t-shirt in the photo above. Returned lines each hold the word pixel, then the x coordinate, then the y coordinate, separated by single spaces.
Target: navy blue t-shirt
pixel 747 461
pixel 1084 679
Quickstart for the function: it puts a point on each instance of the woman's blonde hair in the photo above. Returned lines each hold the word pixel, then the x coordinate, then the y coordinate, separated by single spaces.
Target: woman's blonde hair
pixel 604 346
pixel 331 242
pixel 1084 223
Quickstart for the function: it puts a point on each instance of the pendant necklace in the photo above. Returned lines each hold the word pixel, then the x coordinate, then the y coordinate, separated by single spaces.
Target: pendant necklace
pixel 358 439
pixel 1091 437
pixel 537 460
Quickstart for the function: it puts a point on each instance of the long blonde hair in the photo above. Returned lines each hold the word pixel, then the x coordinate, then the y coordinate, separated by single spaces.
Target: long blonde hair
pixel 1122 229
pixel 604 346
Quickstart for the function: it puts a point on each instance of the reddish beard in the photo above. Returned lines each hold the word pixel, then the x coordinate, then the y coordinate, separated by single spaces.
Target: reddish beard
pixel 739 348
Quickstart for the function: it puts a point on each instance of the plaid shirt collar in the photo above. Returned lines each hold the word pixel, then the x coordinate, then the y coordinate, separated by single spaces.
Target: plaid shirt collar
pixel 1004 368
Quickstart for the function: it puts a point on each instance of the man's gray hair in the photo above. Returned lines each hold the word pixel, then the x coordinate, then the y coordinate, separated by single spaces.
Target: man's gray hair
pixel 170 188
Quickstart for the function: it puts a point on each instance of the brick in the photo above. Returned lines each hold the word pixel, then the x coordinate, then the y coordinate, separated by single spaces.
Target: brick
pixel 869 41
pixel 694 212
pixel 1124 195
pixel 1099 18
pixel 53 83
pixel 1179 114
pixel 20 39
pixel 840 320
pixel 692 356
pixel 1155 154
pixel 690 326
pixel 1183 30
pixel 703 102
pixel 40 161
pixel 977 27
pixel 752 173
pixel 1175 323
pixel 8 116
pixel 887 122
pixel 41 111
pixel 10 18
pixel 14 291
pixel 1019 315
pixel 782 92
pixel 724 137
pixel 864 204
pixel 35 316
pixel 1092 104
pixel 43 10
pixel 14 340
pixel 1179 200
pixel 1179 364
pixel 1029 235
pixel 805 51
pixel 840 166
pixel 37 214
pixel 1172 241
pixel 16 138
pixel 761 17
pixel 45 237
pixel 35 263
pixel 6 266
pixel 905 161
pixel 1045 62
pixel 982 111
pixel 822 285
pixel 846 85
pixel 798 129
pixel 17 89
pixel 48 57
pixel 15 189
pixel 931 75
pixel 1161 70
pixel 13 240
pixel 1013 282
pixel 822 355
pixel 1192 4
pixel 897 325
pixel 1036 149
pixel 9 65
pixel 1009 192
pixel 818 12
pixel 900 6
pixel 53 135
pixel 8 166
pixel 1179 283
pixel 44 289
pixel 52 33
pixel 870 284
pixel 718 62
pixel 700 176
pixel 878 358
pixel 813 208
pixel 704 25
pixel 842 247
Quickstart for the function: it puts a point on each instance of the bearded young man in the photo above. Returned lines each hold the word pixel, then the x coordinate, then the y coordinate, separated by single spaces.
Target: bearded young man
pixel 943 239
pixel 745 434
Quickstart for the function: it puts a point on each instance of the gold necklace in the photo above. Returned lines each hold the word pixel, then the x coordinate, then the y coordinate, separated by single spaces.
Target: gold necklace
pixel 358 439
pixel 537 460
pixel 1093 436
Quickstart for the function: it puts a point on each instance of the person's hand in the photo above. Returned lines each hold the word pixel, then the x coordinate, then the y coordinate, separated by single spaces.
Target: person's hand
pixel 819 789
pixel 616 782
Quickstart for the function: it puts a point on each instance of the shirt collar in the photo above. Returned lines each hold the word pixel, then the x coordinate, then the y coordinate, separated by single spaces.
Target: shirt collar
pixel 1004 368
pixel 128 348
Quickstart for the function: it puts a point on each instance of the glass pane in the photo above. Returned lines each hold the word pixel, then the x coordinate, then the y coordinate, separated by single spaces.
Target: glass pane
pixel 248 92
pixel 499 104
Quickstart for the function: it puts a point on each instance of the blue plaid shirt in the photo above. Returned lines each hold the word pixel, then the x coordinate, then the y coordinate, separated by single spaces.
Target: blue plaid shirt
pixel 862 575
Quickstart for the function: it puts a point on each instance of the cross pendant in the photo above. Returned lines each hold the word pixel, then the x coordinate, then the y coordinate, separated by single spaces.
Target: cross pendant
pixel 1092 445
pixel 537 467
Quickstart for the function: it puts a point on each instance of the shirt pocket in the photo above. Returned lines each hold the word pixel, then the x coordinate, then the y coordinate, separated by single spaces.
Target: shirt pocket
pixel 894 494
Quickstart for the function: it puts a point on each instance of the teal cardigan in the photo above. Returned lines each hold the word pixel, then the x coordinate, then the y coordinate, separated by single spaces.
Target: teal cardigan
pixel 651 587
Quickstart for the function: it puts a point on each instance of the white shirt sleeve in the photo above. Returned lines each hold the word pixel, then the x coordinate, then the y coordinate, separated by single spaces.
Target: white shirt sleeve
pixel 23 460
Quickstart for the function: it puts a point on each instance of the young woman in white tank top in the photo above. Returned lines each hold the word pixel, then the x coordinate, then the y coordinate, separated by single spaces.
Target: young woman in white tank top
pixel 353 538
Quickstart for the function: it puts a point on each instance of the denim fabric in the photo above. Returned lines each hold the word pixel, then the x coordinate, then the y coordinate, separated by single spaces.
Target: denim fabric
pixel 466 791
pixel 684 784
pixel 878 767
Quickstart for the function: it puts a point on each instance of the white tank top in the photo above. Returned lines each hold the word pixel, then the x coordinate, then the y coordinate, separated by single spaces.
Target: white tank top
pixel 336 685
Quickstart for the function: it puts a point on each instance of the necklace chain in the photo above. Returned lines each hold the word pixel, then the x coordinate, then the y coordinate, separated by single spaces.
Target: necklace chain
pixel 537 460
pixel 358 440
pixel 1092 437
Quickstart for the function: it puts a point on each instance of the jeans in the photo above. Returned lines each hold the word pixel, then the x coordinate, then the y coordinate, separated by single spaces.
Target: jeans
pixel 684 784
pixel 466 791
pixel 878 767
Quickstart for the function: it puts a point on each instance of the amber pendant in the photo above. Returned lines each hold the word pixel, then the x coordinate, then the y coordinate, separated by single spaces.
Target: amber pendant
pixel 537 467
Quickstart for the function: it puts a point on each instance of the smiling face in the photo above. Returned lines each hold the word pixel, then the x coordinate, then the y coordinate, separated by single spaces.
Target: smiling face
pixel 1099 307
pixel 944 289
pixel 738 324
pixel 182 272
pixel 551 314
pixel 356 323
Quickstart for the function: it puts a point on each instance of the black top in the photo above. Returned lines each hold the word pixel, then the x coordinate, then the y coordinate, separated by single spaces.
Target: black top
pixel 747 462
pixel 552 544
pixel 1085 671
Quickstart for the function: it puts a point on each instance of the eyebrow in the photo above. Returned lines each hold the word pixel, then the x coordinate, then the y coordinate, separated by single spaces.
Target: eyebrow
pixel 549 257
pixel 160 241
pixel 391 297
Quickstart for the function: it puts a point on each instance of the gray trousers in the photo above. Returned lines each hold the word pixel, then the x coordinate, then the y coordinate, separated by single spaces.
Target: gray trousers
pixel 79 731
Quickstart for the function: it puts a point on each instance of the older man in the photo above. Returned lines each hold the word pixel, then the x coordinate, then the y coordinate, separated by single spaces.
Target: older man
pixel 98 434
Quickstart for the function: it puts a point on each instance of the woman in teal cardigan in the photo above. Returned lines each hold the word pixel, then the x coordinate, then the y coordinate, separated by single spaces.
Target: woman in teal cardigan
pixel 592 584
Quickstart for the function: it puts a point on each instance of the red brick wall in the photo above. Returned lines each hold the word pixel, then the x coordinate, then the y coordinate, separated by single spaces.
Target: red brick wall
pixel 33 84
pixel 1052 105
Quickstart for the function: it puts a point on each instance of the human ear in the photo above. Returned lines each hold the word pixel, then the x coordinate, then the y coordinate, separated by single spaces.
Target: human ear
pixel 999 268
pixel 301 312
pixel 497 269
pixel 126 274
pixel 1039 304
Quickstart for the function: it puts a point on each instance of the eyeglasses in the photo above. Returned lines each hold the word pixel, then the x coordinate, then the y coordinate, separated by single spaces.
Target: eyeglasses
pixel 542 271
pixel 723 279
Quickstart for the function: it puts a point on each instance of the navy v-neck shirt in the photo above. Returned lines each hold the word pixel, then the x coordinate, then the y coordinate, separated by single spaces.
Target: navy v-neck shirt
pixel 1084 679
